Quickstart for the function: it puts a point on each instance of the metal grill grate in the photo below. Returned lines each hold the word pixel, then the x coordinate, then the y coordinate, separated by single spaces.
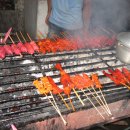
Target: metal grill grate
pixel 19 101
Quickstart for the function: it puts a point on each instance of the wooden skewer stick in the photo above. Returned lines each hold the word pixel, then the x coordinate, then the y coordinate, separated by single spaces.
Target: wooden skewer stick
pixel 41 34
pixel 23 37
pixel 125 85
pixel 56 108
pixel 98 102
pixel 14 43
pixel 105 100
pixel 29 37
pixel 71 103
pixel 101 100
pixel 93 104
pixel 78 97
pixel 11 39
pixel 18 36
pixel 64 101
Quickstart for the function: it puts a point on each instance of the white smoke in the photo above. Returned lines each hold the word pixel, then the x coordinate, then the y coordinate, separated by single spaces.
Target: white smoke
pixel 112 14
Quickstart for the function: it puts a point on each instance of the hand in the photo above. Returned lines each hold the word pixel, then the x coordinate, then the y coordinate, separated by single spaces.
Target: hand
pixel 47 19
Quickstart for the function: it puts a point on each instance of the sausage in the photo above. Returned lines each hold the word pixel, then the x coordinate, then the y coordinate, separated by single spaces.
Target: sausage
pixel 15 49
pixel 8 49
pixel 2 52
pixel 22 47
pixel 29 48
pixel 35 46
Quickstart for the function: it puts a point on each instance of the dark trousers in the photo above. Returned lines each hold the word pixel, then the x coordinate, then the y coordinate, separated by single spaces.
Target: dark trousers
pixel 55 31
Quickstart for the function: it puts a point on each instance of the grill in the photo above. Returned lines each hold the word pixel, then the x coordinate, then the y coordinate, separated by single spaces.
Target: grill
pixel 20 104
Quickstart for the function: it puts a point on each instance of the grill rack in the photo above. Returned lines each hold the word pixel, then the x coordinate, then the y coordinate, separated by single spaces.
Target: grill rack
pixel 21 104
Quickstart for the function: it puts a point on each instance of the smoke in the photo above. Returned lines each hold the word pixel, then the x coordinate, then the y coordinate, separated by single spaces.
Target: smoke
pixel 113 14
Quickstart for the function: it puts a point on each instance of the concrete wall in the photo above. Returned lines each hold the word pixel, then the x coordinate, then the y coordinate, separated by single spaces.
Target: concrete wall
pixel 30 13
pixel 42 12
pixel 35 14
pixel 13 18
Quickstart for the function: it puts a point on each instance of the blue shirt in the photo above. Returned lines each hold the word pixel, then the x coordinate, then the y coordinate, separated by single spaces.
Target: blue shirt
pixel 67 14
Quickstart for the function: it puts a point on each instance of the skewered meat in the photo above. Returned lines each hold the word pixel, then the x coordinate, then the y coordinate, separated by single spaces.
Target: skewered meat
pixel 78 81
pixel 22 47
pixel 29 48
pixel 15 49
pixel 65 79
pixel 8 49
pixel 88 81
pixel 67 90
pixel 126 73
pixel 39 86
pixel 46 84
pixel 43 86
pixel 34 45
pixel 116 73
pixel 121 75
pixel 96 81
pixel 2 52
pixel 114 79
pixel 55 88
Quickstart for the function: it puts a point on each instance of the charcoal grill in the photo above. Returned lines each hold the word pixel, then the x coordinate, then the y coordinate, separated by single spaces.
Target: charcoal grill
pixel 20 104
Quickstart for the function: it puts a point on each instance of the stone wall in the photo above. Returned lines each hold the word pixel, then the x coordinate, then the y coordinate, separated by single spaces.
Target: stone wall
pixel 13 18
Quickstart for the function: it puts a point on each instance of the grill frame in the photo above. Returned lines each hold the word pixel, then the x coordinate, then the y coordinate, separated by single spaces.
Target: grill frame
pixel 8 118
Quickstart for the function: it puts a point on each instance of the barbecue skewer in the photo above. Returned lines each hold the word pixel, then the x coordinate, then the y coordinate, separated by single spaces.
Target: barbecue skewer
pixel 98 85
pixel 84 81
pixel 98 101
pixel 64 101
pixel 107 108
pixel 42 85
pixel 33 44
pixel 116 79
pixel 90 83
pixel 29 37
pixel 23 37
pixel 49 85
pixel 29 47
pixel 43 74
pixel 58 109
pixel 18 37
pixel 93 104
pixel 57 91
pixel 66 76
pixel 105 100
pixel 67 91
pixel 78 96
pixel 15 45
pixel 71 103
pixel 20 45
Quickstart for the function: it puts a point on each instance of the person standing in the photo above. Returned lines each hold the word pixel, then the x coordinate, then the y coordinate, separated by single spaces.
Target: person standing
pixel 68 16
